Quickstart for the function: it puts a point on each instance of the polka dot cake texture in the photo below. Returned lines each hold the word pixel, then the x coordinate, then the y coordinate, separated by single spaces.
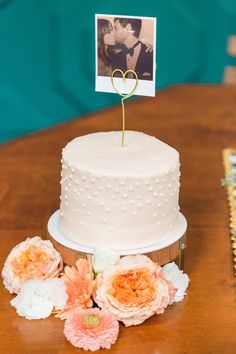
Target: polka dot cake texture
pixel 119 197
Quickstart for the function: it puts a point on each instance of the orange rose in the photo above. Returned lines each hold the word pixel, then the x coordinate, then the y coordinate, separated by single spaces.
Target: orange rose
pixel 33 258
pixel 133 289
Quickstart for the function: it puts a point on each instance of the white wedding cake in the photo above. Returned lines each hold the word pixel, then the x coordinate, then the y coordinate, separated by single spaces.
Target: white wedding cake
pixel 119 197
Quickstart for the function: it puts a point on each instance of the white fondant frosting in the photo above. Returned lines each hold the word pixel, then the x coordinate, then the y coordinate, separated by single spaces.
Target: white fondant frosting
pixel 119 197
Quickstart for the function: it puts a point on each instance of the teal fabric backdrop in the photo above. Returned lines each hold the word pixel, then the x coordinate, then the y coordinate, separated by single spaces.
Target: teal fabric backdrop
pixel 47 54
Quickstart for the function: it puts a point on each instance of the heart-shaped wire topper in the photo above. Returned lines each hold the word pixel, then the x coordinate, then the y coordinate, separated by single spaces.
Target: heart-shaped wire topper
pixel 123 76
pixel 124 96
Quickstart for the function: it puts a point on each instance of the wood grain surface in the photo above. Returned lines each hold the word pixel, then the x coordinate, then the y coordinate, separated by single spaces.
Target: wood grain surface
pixel 199 121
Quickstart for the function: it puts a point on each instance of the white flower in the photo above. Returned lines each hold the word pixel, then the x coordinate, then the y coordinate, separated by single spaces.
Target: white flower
pixel 39 297
pixel 103 259
pixel 179 280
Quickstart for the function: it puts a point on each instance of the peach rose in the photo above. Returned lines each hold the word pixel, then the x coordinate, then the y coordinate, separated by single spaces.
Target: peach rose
pixel 133 290
pixel 33 258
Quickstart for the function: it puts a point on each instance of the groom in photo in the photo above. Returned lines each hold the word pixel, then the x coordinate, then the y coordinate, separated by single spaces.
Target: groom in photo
pixel 138 56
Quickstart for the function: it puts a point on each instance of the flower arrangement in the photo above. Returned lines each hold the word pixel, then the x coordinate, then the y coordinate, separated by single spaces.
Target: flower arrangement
pixel 129 289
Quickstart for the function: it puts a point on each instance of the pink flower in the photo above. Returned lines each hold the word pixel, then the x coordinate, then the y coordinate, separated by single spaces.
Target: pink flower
pixel 33 258
pixel 80 284
pixel 133 290
pixel 91 329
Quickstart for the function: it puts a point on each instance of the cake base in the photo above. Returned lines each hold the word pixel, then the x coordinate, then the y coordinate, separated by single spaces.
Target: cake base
pixel 162 252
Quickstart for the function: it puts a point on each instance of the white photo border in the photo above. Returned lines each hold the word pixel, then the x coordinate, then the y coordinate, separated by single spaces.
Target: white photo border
pixel 144 87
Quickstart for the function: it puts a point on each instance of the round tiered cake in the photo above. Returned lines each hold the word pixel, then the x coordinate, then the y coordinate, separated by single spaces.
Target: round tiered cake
pixel 119 197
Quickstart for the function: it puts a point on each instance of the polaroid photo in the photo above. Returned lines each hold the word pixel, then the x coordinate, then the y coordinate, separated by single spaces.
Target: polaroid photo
pixel 125 43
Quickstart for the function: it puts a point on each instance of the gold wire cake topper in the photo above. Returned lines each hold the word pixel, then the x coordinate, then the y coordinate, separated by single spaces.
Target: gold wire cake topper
pixel 124 96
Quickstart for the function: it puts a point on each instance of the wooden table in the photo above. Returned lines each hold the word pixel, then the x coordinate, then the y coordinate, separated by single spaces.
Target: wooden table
pixel 199 121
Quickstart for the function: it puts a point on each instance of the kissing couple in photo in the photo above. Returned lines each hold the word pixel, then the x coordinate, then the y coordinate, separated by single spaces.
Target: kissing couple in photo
pixel 119 47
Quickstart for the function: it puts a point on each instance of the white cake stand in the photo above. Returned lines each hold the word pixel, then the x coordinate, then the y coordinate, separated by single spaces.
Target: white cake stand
pixel 161 252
